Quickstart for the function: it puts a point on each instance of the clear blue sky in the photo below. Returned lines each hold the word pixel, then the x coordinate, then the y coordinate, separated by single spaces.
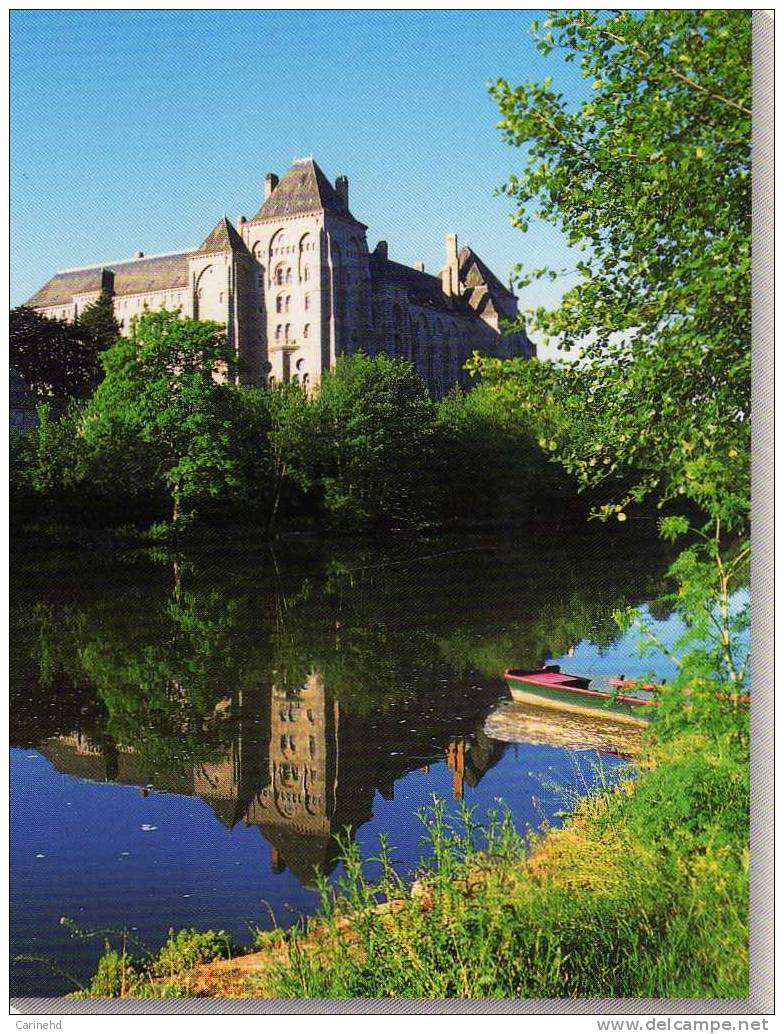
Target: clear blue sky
pixel 139 129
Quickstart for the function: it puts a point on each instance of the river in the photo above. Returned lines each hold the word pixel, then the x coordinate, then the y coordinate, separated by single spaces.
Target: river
pixel 189 732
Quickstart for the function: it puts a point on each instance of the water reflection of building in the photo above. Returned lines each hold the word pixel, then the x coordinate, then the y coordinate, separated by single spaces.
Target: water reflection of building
pixel 300 805
pixel 296 766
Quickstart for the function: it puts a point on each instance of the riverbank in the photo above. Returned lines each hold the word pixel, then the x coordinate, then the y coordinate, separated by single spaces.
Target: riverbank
pixel 643 893
pixel 54 535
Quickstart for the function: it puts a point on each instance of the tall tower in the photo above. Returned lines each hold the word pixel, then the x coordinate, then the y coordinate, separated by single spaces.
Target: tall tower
pixel 220 281
pixel 312 290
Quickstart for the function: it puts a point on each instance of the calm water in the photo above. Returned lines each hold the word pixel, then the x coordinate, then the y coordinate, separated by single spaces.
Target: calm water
pixel 188 734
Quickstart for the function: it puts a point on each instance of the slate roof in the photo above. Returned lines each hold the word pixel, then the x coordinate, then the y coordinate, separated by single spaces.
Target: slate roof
pixel 421 288
pixel 222 238
pixel 63 286
pixel 303 189
pixel 136 276
pixel 151 274
pixel 481 287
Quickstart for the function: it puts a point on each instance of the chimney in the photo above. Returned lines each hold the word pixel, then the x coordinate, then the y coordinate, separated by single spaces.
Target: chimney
pixel 138 254
pixel 449 277
pixel 341 186
pixel 107 280
pixel 382 251
pixel 420 266
pixel 270 182
pixel 241 219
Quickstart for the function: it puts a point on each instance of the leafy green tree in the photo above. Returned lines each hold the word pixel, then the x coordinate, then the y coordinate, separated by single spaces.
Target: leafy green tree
pixel 98 322
pixel 161 409
pixel 55 358
pixel 44 465
pixel 650 178
pixel 375 423
pixel 289 443
pixel 488 464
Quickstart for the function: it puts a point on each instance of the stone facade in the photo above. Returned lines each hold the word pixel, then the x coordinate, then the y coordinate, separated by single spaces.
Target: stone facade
pixel 296 287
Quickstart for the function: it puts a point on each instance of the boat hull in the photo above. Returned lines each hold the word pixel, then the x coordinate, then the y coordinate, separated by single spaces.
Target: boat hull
pixel 575 697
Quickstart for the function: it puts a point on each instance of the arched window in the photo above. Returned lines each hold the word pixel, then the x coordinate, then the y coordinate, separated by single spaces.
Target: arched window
pixel 280 274
pixel 277 243
pixel 279 303
pixel 305 386
pixel 272 380
pixel 278 332
pixel 305 244
pixel 306 273
pixel 288 274
pixel 307 301
pixel 288 331
pixel 288 302
pixel 306 330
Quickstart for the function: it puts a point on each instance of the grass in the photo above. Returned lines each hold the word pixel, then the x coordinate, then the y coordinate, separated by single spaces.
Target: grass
pixel 643 894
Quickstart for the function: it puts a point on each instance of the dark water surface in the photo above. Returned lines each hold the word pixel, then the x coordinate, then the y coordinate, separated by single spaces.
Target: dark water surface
pixel 189 733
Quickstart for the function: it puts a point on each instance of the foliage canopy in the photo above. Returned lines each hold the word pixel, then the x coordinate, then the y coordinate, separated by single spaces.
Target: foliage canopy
pixel 55 358
pixel 649 178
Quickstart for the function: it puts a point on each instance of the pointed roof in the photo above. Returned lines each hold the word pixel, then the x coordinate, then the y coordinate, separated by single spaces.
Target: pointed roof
pixel 222 238
pixel 303 189
pixel 474 273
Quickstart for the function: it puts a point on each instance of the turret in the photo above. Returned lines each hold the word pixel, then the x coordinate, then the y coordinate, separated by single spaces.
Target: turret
pixel 341 188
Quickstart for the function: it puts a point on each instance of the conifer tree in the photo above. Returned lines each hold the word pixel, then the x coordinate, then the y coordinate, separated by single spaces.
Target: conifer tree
pixel 99 323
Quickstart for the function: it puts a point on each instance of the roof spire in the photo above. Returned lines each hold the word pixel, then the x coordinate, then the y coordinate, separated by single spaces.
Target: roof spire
pixel 304 189
pixel 222 237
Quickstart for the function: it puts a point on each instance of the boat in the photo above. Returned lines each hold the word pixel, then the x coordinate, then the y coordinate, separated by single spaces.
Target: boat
pixel 551 687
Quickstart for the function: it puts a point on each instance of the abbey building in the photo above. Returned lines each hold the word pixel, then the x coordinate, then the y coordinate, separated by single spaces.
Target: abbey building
pixel 297 287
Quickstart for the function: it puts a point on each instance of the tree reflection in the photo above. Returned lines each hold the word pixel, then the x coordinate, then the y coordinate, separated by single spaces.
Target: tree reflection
pixel 286 688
